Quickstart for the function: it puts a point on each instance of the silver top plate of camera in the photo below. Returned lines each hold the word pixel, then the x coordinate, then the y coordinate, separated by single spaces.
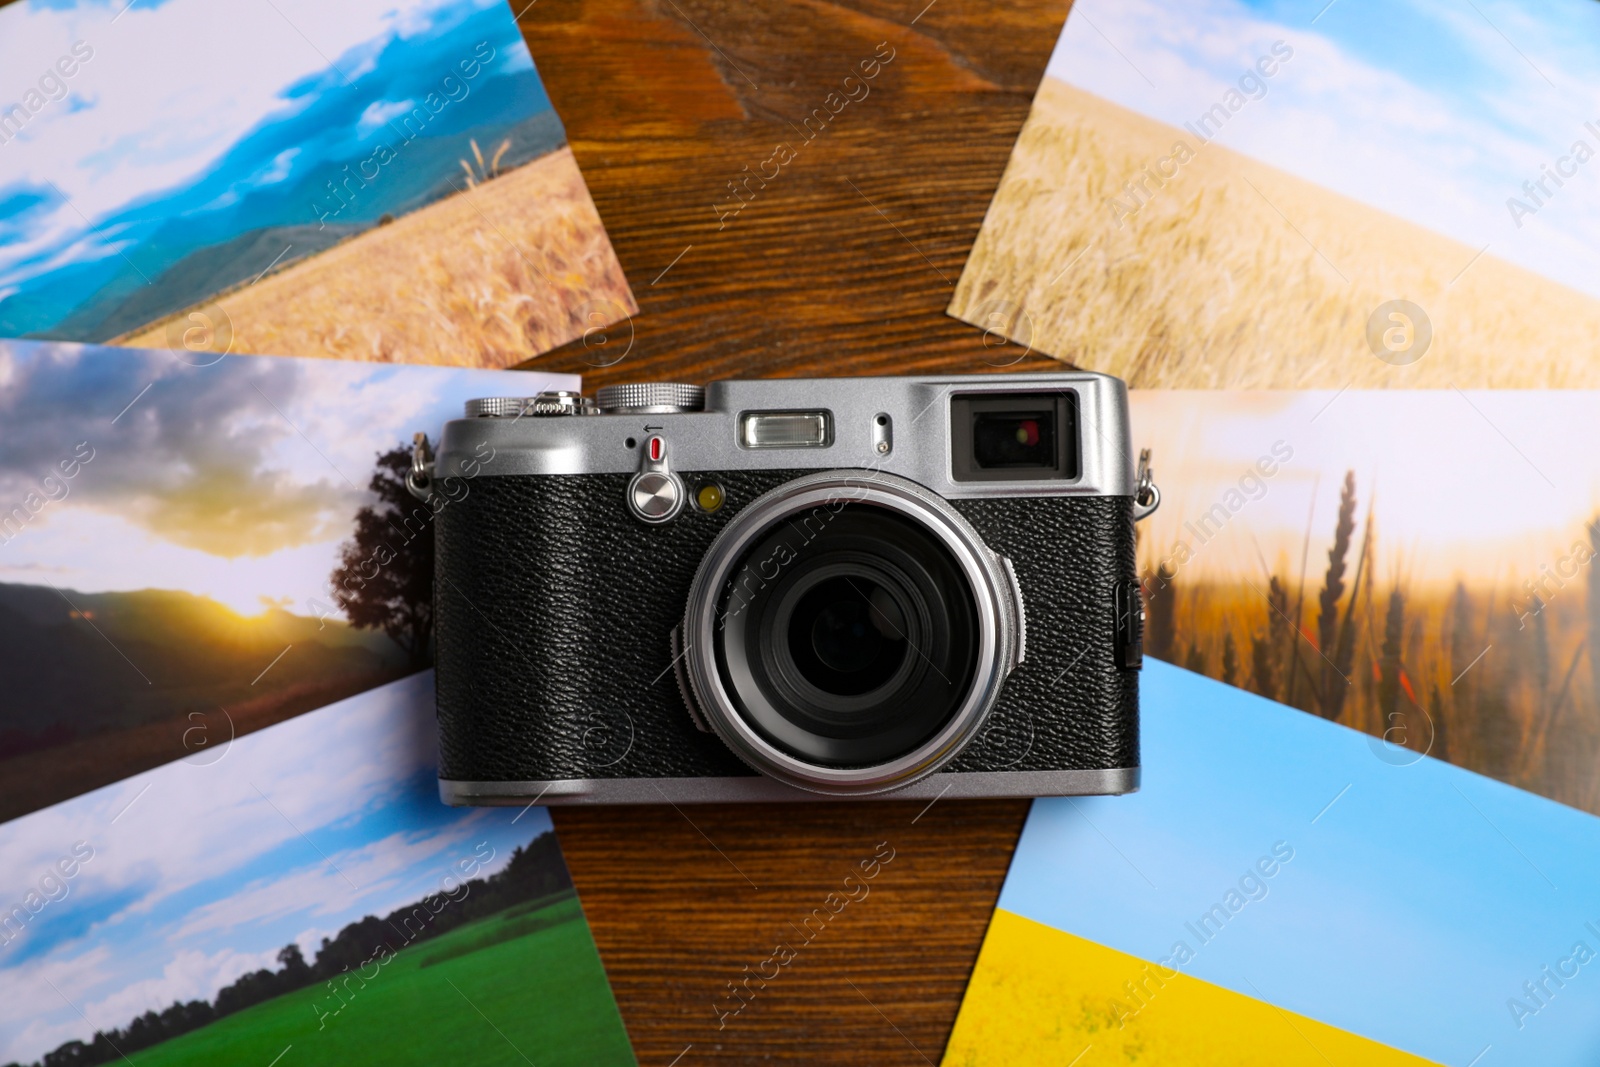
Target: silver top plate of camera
pixel 900 426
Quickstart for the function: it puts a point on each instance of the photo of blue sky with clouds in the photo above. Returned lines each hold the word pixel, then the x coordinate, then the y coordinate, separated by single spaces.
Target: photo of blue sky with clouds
pixel 203 869
pixel 1436 111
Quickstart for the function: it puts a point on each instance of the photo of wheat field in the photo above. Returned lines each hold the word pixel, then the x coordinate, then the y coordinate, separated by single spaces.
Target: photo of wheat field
pixel 1223 196
pixel 512 266
pixel 402 191
pixel 1209 287
pixel 1414 565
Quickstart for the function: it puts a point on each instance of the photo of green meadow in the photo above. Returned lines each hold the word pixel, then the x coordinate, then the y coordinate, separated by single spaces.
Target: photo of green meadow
pixel 303 895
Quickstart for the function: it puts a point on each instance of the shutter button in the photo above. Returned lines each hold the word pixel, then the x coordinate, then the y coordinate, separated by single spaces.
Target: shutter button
pixel 655 495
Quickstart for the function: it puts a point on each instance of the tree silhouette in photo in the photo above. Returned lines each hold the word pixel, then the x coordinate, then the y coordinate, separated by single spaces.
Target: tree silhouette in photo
pixel 384 580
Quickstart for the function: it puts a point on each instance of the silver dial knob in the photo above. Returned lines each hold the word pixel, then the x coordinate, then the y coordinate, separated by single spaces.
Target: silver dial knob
pixel 656 496
pixel 651 398
pixel 558 402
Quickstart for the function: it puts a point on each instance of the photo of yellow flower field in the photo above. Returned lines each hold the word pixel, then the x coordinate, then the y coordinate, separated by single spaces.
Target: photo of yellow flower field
pixel 1235 274
pixel 490 276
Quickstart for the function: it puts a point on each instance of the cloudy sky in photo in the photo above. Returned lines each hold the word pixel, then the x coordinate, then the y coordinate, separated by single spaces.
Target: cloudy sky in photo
pixel 1486 485
pixel 1436 111
pixel 236 481
pixel 187 107
pixel 203 870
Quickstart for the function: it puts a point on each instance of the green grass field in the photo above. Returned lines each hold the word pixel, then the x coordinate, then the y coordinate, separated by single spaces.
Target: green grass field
pixel 513 988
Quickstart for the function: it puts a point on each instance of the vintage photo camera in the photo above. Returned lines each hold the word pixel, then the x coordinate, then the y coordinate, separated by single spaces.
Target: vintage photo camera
pixel 767 590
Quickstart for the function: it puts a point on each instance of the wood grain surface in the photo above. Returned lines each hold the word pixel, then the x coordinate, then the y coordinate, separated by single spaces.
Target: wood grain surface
pixel 841 264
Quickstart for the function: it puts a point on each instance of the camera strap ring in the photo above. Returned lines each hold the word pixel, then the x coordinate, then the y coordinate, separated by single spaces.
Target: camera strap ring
pixel 1146 497
pixel 419 479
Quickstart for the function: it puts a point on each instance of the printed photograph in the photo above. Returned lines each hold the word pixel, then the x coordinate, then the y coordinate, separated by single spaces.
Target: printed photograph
pixel 1418 565
pixel 298 896
pixel 192 551
pixel 368 181
pixel 1278 894
pixel 1291 193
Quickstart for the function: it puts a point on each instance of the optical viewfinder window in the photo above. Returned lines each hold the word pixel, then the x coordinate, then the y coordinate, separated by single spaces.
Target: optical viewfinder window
pixel 1025 439
pixel 997 437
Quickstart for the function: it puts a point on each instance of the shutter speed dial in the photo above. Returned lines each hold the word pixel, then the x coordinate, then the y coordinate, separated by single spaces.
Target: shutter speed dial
pixel 655 495
pixel 651 398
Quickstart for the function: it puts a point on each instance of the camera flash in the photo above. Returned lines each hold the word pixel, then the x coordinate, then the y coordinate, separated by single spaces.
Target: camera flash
pixel 784 429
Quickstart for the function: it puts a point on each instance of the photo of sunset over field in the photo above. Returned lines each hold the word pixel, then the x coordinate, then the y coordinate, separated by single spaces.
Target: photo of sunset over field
pixel 1419 566
pixel 183 550
pixel 1223 195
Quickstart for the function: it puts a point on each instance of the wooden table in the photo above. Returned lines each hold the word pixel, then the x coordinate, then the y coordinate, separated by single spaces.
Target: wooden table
pixel 840 263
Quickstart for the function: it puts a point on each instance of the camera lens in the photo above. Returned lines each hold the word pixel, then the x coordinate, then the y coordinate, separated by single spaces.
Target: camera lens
pixel 844 631
pixel 850 636
pixel 847 637
pixel 848 632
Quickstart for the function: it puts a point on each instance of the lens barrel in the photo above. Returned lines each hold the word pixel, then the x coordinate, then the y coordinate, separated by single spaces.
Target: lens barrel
pixel 849 632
